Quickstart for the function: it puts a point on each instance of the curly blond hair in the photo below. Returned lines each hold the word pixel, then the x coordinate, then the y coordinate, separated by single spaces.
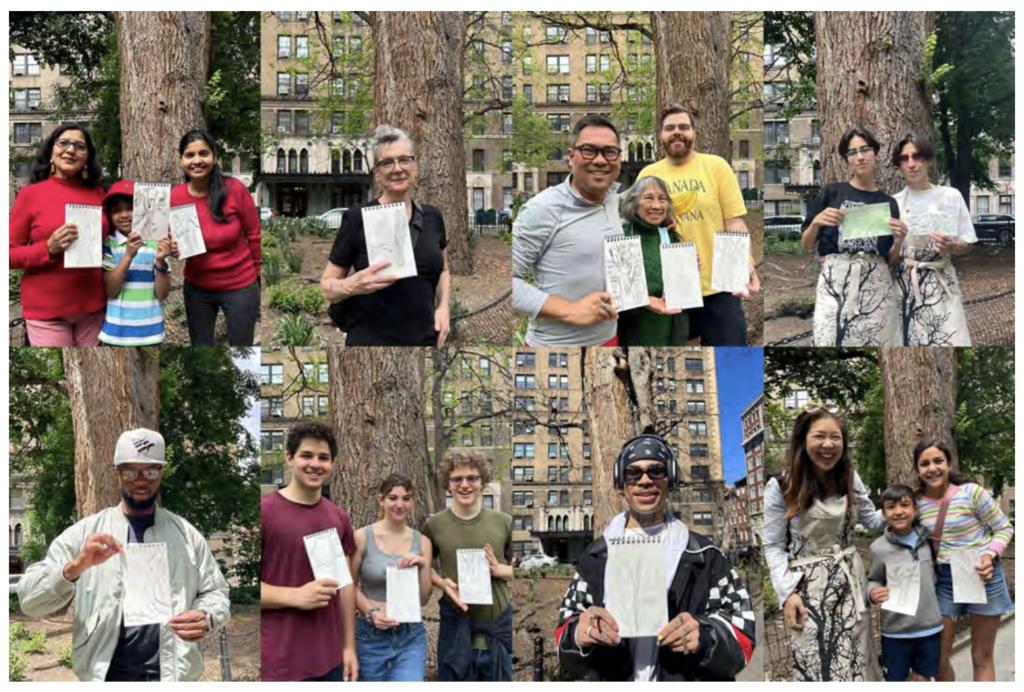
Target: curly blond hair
pixel 460 456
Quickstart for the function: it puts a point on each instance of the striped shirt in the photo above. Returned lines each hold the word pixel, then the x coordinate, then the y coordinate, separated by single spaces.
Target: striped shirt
pixel 973 520
pixel 134 316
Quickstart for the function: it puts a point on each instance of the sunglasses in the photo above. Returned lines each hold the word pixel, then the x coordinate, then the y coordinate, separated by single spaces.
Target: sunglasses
pixel 905 158
pixel 655 473
pixel 131 474
pixel 458 480
pixel 865 150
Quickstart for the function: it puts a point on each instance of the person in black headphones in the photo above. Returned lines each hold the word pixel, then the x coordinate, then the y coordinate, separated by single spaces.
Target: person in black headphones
pixel 710 635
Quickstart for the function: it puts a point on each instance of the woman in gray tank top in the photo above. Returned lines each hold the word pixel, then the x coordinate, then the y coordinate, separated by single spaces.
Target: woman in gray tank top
pixel 389 650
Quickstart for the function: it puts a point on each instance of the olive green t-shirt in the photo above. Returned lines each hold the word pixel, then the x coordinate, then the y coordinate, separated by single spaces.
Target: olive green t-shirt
pixel 449 533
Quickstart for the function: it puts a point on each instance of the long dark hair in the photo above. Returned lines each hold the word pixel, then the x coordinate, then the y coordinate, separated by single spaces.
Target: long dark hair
pixel 928 442
pixel 218 188
pixel 799 486
pixel 93 172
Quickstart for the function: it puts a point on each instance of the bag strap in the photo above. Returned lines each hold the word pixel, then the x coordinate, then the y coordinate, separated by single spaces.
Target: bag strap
pixel 941 521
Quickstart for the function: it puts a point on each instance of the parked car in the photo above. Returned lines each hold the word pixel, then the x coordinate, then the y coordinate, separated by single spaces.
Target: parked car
pixel 333 217
pixel 266 214
pixel 537 560
pixel 999 227
pixel 777 224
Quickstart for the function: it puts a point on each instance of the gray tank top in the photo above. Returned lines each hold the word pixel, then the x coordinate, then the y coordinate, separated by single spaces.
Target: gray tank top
pixel 373 570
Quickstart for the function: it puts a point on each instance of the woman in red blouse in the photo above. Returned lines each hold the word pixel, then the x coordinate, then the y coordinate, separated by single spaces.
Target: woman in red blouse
pixel 226 276
pixel 61 307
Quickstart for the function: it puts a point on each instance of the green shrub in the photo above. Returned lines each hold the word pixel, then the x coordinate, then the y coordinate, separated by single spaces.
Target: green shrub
pixel 36 643
pixel 782 244
pixel 14 286
pixel 272 267
pixel 18 631
pixel 293 258
pixel 16 665
pixel 318 228
pixel 66 655
pixel 269 241
pixel 295 330
pixel 455 309
pixel 13 605
pixel 296 300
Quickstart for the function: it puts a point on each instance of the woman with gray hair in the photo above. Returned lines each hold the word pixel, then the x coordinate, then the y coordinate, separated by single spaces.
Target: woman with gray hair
pixel 372 307
pixel 646 211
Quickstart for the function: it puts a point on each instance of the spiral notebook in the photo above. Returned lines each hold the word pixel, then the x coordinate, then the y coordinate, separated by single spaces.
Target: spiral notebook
pixel 968 586
pixel 327 557
pixel 87 250
pixel 186 231
pixel 403 589
pixel 680 276
pixel 636 585
pixel 474 577
pixel 146 579
pixel 903 579
pixel 151 210
pixel 624 275
pixel 730 266
pixel 386 228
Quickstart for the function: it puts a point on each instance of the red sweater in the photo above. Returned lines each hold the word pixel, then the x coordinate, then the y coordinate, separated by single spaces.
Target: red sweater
pixel 48 290
pixel 232 258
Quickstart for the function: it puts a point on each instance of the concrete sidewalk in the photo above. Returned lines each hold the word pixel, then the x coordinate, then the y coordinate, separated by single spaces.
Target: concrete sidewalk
pixel 1004 656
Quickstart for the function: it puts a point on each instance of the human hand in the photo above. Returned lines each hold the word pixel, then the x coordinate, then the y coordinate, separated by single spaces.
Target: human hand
pixel 98 548
pixel 191 625
pixel 985 567
pixel 829 217
pixel 349 664
pixel 315 594
pixel 442 324
pixel 657 306
pixel 879 596
pixel 753 285
pixel 597 627
pixel 134 244
pixel 899 230
pixel 681 634
pixel 381 621
pixel 366 281
pixel 61 239
pixel 591 309
pixel 794 613
pixel 163 249
pixel 451 589
pixel 412 560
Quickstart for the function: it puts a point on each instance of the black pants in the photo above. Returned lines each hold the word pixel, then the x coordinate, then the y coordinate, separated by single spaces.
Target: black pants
pixel 241 309
pixel 720 322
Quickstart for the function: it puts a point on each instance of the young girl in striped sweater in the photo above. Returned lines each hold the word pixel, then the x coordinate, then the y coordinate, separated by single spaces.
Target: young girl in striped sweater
pixel 972 520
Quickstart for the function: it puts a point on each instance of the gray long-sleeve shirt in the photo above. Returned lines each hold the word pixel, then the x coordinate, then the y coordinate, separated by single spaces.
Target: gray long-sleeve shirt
pixel 558 237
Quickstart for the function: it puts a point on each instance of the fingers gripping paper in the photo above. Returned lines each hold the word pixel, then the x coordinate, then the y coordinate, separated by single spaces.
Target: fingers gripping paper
pixel 903 579
pixel 636 585
pixel 474 577
pixel 147 585
pixel 681 276
pixel 327 557
pixel 387 239
pixel 968 586
pixel 403 587
pixel 87 250
pixel 730 265
pixel 185 230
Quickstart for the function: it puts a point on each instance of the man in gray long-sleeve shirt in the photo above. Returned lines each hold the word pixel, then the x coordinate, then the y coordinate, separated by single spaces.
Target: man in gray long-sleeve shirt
pixel 558 237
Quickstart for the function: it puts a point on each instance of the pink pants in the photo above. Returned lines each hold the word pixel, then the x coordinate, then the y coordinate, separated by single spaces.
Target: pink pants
pixel 78 330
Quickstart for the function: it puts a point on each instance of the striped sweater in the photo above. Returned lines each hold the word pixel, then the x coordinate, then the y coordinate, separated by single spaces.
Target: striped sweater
pixel 135 316
pixel 973 520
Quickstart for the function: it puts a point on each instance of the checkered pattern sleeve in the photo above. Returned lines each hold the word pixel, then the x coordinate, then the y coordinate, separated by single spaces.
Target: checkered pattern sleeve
pixel 577 599
pixel 728 623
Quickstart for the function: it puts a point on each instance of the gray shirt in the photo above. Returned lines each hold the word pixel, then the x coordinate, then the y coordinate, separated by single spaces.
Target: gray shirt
pixel 558 237
pixel 888 549
pixel 374 567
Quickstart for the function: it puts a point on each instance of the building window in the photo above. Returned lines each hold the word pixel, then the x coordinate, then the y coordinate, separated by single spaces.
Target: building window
pixel 301 46
pixel 271 440
pixel 700 473
pixel 694 365
pixel 301 123
pixel 271 373
pixel 695 386
pixel 776 132
pixel 527 64
pixel 308 406
pixel 1005 169
pixel 558 64
pixel 588 474
pixel 695 407
pixel 28 133
pixel 25 99
pixel 699 428
pixel 522 474
pixel 588 498
pixel 284 121
pixel 586 450
pixel 323 407
pixel 284 82
pixel 702 518
pixel 795 400
pixel 744 149
pixel 26 65
pixel 478 160
pixel 981 204
pixel 1005 204
pixel 698 450
pixel 558 93
pixel 284 46
pixel 605 62
pixel 701 495
pixel 302 84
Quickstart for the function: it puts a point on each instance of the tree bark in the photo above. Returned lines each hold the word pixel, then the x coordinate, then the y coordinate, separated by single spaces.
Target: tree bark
pixel 692 54
pixel 869 74
pixel 165 62
pixel 110 390
pixel 378 419
pixel 919 391
pixel 418 88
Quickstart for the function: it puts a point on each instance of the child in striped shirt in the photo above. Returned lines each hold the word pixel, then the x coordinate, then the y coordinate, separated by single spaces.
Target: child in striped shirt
pixel 136 276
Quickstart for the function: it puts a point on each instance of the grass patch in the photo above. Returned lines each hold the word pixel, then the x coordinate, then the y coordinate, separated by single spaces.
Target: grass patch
pixel 296 300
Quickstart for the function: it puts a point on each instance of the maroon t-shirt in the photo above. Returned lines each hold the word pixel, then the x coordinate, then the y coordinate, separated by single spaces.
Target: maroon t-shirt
pixel 298 644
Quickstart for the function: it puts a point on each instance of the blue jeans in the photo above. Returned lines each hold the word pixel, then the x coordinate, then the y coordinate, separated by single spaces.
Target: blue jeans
pixel 995 590
pixel 482 665
pixel 393 655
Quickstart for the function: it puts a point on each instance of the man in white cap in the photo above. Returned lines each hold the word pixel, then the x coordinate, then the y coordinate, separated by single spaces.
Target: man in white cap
pixel 82 564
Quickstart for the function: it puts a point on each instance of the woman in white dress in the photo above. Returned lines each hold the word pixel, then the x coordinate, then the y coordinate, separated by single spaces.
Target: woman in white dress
pixel 930 304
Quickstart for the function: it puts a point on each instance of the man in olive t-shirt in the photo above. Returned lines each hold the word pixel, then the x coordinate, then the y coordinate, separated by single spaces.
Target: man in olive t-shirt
pixel 467 525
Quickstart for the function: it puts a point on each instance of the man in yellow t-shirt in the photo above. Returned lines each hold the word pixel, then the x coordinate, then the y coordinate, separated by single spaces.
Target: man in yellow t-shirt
pixel 706 199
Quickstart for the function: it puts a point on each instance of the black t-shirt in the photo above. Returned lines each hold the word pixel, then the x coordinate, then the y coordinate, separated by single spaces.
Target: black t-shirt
pixel 401 314
pixel 844 196
pixel 137 656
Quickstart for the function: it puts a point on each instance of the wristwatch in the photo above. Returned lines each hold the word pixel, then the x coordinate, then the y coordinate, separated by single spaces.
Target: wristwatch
pixel 369 614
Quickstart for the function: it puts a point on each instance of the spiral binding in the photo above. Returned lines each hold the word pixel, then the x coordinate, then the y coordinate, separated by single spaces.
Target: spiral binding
pixel 731 234
pixel 634 540
pixel 621 237
pixel 470 551
pixel 320 534
pixel 83 206
pixel 396 568
pixel 383 207
pixel 182 206
pixel 680 246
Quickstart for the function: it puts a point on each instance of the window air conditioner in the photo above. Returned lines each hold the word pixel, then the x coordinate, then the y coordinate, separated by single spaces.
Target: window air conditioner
pixel 529 503
pixel 282 128
pixel 565 128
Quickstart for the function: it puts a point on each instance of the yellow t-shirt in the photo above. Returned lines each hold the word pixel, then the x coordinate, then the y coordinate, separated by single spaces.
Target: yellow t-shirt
pixel 705 193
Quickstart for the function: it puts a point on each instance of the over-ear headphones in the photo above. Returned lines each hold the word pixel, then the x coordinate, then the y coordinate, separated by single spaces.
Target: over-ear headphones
pixel 655 449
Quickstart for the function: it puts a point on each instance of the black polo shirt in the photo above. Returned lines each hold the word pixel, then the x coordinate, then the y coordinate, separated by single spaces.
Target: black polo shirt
pixel 401 314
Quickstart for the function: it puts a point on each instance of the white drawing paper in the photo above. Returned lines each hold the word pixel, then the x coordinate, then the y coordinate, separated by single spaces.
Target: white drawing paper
pixel 403 589
pixel 903 579
pixel 968 587
pixel 636 586
pixel 680 276
pixel 474 577
pixel 147 585
pixel 624 275
pixel 386 228
pixel 186 231
pixel 730 266
pixel 87 250
pixel 151 210
pixel 327 557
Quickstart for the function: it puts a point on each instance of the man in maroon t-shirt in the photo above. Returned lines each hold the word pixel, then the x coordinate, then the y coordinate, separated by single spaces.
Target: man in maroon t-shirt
pixel 307 626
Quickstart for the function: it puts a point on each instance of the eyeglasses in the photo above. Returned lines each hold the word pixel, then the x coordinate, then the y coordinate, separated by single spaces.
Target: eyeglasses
pixel 65 144
pixel 905 158
pixel 132 474
pixel 865 150
pixel 388 165
pixel 655 473
pixel 589 152
pixel 458 480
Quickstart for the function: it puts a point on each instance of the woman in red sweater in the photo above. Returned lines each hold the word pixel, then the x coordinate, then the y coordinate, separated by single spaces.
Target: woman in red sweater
pixel 61 307
pixel 226 276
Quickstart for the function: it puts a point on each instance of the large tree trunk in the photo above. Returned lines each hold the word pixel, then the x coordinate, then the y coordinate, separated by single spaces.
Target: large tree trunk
pixel 418 88
pixel 165 61
pixel 692 52
pixel 919 391
pixel 378 419
pixel 111 390
pixel 440 364
pixel 869 74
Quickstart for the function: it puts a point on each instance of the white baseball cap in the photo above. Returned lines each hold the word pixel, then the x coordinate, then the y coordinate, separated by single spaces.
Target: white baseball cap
pixel 140 446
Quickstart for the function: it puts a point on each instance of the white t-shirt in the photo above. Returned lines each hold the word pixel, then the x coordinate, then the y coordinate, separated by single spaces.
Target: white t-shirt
pixel 939 209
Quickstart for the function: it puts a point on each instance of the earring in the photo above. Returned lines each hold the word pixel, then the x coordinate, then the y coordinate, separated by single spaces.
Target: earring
pixel 85 174
pixel 53 169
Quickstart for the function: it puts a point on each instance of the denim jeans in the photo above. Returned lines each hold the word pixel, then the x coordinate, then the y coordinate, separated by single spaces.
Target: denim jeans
pixel 393 655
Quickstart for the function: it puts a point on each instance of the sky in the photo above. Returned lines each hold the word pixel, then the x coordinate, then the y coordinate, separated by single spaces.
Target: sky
pixel 251 421
pixel 740 379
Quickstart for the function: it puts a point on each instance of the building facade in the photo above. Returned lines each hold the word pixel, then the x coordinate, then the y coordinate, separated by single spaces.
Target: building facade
pixel 738 535
pixel 30 115
pixel 752 421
